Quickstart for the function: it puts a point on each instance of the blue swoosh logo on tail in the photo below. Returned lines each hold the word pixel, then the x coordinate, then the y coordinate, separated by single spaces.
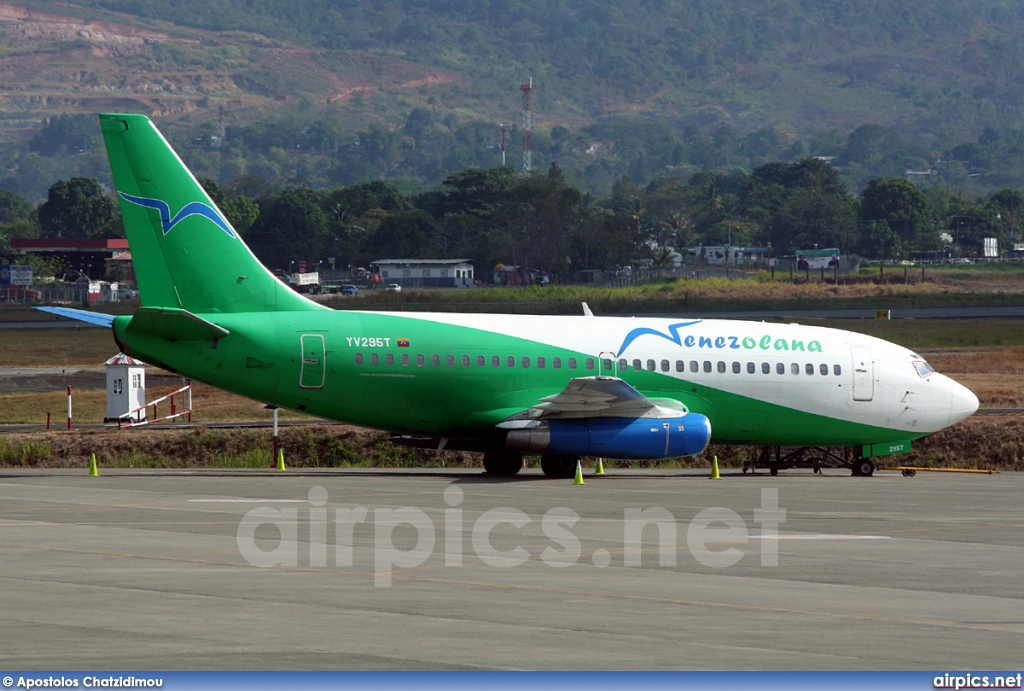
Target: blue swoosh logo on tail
pixel 190 209
pixel 673 334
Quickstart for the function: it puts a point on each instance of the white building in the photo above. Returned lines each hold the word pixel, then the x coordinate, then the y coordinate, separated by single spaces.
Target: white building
pixel 437 273
pixel 126 388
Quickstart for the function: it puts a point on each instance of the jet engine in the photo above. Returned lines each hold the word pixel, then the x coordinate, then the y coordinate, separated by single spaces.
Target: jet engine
pixel 633 438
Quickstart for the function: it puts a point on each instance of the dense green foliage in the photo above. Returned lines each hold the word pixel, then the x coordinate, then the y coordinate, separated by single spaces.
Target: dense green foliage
pixel 647 90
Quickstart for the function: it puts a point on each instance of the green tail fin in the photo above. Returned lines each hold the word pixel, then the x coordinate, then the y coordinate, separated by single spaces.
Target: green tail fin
pixel 185 252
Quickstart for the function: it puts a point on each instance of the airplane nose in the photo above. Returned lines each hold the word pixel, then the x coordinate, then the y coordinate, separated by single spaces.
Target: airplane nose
pixel 963 404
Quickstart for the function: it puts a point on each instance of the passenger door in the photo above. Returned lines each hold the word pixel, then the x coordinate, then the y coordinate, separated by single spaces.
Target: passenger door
pixel 863 374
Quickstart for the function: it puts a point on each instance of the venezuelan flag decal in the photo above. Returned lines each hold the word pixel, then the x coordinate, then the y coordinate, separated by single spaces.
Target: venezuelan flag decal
pixel 403 342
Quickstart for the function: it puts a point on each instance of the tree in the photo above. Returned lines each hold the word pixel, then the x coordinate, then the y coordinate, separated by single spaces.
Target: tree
pixel 13 207
pixel 242 212
pixel 1009 205
pixel 411 234
pixel 902 208
pixel 291 227
pixel 64 135
pixel 800 205
pixel 76 208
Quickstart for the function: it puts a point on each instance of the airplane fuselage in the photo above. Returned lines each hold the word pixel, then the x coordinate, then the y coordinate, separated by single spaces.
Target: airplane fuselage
pixel 460 375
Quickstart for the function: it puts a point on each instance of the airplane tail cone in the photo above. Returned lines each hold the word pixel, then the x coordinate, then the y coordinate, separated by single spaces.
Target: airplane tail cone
pixel 93 470
pixel 600 467
pixel 714 469
pixel 280 461
pixel 579 475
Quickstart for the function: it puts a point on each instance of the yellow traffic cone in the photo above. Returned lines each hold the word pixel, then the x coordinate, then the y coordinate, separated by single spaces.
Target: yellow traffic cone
pixel 579 475
pixel 714 469
pixel 93 470
pixel 600 467
pixel 280 460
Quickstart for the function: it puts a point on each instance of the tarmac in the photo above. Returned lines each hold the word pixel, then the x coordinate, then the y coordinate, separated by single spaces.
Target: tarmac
pixel 450 569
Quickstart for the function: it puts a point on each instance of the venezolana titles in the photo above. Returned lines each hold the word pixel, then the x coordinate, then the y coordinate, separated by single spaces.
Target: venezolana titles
pixel 88 682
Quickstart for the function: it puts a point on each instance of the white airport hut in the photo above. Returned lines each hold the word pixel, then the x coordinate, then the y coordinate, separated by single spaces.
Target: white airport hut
pixel 126 388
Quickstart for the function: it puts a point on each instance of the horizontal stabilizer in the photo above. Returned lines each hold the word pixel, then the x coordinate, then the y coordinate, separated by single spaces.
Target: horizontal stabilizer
pixel 81 315
pixel 175 325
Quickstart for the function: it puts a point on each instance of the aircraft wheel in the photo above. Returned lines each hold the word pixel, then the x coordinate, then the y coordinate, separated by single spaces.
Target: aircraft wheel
pixel 559 465
pixel 503 462
pixel 773 468
pixel 864 467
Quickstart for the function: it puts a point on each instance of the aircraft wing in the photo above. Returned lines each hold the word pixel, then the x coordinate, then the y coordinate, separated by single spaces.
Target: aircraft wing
pixel 96 318
pixel 590 397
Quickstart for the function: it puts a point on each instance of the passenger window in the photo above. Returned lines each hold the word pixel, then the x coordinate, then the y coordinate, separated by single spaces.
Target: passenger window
pixel 571 363
pixel 623 365
pixel 481 361
pixel 607 364
pixel 823 368
pixel 637 365
pixel 766 368
pixel 495 361
pixel 541 362
pixel 510 361
pixel 751 369
pixel 556 362
pixel 809 368
pixel 359 358
pixel 374 359
pixel 420 360
pixel 735 368
pixel 721 367
pixel 794 368
pixel 590 363
pixel 707 365
pixel 435 360
pixel 780 368
pixel 389 359
pixel 526 362
pixel 651 366
pixel 665 366
pixel 837 370
pixel 465 361
pixel 405 359
pixel 680 366
pixel 450 360
pixel 694 367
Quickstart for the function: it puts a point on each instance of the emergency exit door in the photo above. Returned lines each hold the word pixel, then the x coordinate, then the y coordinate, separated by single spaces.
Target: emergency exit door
pixel 314 370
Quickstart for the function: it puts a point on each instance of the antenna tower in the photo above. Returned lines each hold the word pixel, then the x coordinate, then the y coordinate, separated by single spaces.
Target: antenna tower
pixel 527 127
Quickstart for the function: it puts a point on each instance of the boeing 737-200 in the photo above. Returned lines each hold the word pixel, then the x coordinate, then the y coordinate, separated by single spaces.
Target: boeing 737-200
pixel 504 385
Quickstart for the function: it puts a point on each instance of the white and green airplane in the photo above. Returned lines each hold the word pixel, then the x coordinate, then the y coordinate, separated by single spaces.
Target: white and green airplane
pixel 504 385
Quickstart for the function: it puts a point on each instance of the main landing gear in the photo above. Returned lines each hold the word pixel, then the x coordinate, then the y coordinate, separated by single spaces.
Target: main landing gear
pixel 503 462
pixel 559 465
pixel 774 458
pixel 506 463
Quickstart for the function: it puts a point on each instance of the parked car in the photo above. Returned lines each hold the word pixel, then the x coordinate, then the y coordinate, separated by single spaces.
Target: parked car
pixel 962 260
pixel 349 290
pixel 395 287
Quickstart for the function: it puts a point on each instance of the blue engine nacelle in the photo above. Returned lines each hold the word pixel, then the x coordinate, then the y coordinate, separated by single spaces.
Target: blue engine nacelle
pixel 633 438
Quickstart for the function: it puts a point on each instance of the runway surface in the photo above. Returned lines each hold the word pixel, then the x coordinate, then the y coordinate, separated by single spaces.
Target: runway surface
pixel 155 569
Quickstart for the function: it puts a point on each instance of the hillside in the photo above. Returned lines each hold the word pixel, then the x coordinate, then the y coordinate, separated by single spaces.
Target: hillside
pixel 640 88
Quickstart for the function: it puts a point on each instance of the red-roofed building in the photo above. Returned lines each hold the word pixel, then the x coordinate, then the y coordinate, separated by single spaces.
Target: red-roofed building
pixel 88 256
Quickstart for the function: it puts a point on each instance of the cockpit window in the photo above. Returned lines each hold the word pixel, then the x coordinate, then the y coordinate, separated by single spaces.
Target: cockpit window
pixel 923 368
